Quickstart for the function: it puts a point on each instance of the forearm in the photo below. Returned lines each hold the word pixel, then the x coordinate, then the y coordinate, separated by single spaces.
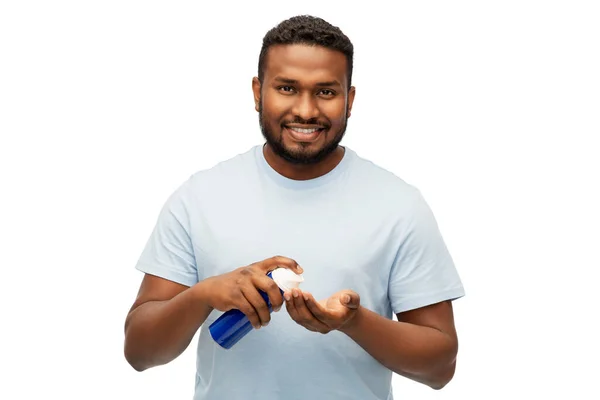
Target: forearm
pixel 421 353
pixel 157 332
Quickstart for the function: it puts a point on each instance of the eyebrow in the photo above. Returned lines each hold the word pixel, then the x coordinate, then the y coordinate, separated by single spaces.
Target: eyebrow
pixel 295 82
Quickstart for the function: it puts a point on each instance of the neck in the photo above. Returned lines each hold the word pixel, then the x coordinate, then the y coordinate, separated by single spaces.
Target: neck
pixel 302 172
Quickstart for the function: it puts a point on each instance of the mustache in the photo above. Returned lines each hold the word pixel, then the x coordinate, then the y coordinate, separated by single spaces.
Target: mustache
pixel 312 121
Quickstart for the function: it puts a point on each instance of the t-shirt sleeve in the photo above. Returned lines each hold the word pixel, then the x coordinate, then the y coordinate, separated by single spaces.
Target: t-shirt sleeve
pixel 423 272
pixel 169 252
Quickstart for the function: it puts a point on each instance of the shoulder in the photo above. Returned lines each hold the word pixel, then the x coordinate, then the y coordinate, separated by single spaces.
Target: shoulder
pixel 380 183
pixel 233 168
pixel 224 178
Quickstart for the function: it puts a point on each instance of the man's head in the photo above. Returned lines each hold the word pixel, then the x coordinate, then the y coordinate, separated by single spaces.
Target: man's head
pixel 303 91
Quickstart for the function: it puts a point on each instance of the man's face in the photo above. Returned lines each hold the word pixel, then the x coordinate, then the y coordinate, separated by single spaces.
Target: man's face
pixel 303 102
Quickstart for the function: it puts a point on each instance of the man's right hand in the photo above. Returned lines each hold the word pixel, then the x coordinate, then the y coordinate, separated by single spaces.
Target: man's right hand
pixel 239 288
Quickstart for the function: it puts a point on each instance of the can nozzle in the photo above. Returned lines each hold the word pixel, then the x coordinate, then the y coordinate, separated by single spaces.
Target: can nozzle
pixel 286 279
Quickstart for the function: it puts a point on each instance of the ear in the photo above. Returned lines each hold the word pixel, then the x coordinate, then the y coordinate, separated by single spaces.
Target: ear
pixel 256 91
pixel 351 94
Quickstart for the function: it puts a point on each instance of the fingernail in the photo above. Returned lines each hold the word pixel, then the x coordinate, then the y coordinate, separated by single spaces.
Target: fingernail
pixel 287 297
pixel 305 297
pixel 300 269
pixel 295 293
pixel 265 324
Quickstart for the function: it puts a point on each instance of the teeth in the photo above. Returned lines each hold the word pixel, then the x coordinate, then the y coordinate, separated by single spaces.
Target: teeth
pixel 300 130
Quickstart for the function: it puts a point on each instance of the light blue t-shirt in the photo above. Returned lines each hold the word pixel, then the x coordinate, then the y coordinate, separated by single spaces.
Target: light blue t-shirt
pixel 358 227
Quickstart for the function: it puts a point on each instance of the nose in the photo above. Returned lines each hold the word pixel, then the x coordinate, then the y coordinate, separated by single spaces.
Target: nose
pixel 306 107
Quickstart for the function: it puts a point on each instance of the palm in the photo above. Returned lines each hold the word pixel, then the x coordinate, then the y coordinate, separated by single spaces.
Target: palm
pixel 325 315
pixel 334 305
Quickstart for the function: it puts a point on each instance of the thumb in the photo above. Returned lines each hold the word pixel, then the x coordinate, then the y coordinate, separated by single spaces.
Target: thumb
pixel 350 299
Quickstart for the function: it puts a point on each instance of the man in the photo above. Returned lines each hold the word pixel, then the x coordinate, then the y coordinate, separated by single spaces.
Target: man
pixel 367 243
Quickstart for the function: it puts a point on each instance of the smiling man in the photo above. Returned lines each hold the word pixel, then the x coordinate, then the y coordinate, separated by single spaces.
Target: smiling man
pixel 367 241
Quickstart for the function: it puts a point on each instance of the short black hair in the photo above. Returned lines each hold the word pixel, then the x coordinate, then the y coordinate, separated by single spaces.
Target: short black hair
pixel 309 30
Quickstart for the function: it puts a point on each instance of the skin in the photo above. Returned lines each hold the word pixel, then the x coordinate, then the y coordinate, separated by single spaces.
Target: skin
pixel 422 345
pixel 303 87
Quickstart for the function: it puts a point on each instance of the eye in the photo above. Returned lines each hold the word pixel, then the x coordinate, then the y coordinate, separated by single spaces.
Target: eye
pixel 326 93
pixel 286 89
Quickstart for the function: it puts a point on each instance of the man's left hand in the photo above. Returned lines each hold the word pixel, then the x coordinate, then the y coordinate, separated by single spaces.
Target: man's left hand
pixel 322 316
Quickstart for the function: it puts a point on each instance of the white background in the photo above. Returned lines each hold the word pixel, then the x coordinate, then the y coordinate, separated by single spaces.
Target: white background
pixel 490 108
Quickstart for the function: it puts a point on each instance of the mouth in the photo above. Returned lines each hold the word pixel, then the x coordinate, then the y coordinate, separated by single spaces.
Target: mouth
pixel 304 133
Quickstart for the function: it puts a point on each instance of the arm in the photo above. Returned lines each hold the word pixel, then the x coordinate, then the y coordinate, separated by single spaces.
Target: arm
pixel 163 321
pixel 422 345
pixel 166 315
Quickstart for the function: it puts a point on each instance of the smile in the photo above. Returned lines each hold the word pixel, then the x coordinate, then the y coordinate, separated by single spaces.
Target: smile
pixel 303 130
pixel 304 134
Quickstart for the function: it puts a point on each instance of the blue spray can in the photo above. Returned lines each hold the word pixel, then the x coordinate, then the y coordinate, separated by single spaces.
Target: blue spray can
pixel 233 325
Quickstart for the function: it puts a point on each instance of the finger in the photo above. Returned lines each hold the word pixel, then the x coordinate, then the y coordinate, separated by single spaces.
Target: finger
pixel 350 299
pixel 270 288
pixel 279 261
pixel 315 308
pixel 291 309
pixel 289 306
pixel 259 305
pixel 304 313
pixel 250 313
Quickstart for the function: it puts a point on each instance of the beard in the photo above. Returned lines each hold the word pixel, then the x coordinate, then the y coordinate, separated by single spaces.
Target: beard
pixel 299 156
